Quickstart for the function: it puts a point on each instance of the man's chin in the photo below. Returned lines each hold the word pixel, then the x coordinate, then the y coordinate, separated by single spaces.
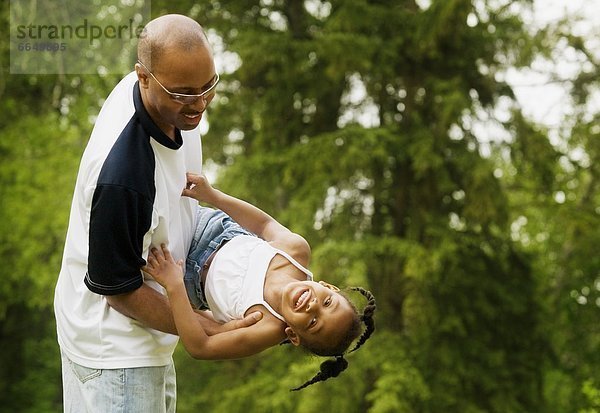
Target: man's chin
pixel 186 127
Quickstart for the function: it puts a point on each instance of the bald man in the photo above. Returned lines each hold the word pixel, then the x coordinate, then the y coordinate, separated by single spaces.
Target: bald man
pixel 115 328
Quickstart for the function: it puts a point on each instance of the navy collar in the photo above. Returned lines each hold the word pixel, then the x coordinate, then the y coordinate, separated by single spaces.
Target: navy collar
pixel 148 124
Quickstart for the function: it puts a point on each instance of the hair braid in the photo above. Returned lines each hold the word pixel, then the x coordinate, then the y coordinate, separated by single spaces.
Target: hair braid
pixel 366 317
pixel 328 369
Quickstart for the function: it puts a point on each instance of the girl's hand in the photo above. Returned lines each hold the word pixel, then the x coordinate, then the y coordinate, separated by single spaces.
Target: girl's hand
pixel 199 188
pixel 163 268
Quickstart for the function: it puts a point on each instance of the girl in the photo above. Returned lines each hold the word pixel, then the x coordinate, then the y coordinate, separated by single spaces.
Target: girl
pixel 233 273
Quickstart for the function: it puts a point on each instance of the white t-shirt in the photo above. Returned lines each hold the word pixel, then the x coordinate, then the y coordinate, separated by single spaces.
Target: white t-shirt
pixel 127 198
pixel 236 277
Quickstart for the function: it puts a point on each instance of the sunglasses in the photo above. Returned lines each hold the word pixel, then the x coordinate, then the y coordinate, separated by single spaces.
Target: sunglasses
pixel 182 98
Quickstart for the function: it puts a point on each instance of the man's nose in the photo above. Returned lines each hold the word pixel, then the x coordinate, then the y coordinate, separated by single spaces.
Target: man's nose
pixel 200 104
pixel 312 304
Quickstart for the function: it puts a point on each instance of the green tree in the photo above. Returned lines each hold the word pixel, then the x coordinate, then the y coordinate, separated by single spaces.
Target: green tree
pixel 554 200
pixel 406 205
pixel 44 124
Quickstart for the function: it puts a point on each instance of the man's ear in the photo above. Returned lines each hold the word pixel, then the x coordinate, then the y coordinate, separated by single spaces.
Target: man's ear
pixel 292 336
pixel 330 286
pixel 142 76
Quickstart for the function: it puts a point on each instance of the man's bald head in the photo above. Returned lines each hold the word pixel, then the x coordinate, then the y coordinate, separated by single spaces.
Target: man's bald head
pixel 173 32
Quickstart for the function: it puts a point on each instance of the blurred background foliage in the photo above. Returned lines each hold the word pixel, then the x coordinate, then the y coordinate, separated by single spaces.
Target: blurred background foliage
pixel 357 123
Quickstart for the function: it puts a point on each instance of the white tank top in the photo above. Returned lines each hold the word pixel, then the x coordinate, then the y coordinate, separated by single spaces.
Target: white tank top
pixel 236 277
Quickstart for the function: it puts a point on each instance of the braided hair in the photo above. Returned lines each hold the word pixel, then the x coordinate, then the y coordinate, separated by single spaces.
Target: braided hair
pixel 332 368
pixel 366 317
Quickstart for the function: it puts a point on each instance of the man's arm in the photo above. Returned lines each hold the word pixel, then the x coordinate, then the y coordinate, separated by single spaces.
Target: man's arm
pixel 147 306
pixel 152 309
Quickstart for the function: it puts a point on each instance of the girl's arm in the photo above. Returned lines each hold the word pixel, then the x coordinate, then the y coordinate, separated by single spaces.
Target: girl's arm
pixel 156 313
pixel 250 217
pixel 228 345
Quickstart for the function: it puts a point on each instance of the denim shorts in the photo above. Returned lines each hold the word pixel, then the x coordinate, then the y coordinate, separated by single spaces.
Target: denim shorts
pixel 213 228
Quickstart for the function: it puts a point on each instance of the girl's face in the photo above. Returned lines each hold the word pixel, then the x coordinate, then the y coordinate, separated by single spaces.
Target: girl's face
pixel 315 312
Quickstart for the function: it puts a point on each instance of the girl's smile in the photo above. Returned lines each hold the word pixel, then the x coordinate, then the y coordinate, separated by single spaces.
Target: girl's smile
pixel 303 296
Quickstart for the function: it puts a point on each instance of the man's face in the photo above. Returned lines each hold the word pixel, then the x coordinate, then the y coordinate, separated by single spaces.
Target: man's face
pixel 190 72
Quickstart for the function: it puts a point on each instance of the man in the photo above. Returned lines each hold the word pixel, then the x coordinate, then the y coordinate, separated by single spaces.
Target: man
pixel 115 327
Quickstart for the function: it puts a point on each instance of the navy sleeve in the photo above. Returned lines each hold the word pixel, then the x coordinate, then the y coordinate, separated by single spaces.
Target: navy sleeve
pixel 119 219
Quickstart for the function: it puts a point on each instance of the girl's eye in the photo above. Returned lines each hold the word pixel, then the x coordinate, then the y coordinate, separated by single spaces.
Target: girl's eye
pixel 312 322
pixel 328 302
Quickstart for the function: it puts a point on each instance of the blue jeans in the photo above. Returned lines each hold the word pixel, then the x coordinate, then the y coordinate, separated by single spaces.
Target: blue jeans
pixel 213 228
pixel 132 390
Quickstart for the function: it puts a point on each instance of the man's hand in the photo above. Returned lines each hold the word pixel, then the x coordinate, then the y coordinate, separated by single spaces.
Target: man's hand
pixel 212 327
pixel 247 321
